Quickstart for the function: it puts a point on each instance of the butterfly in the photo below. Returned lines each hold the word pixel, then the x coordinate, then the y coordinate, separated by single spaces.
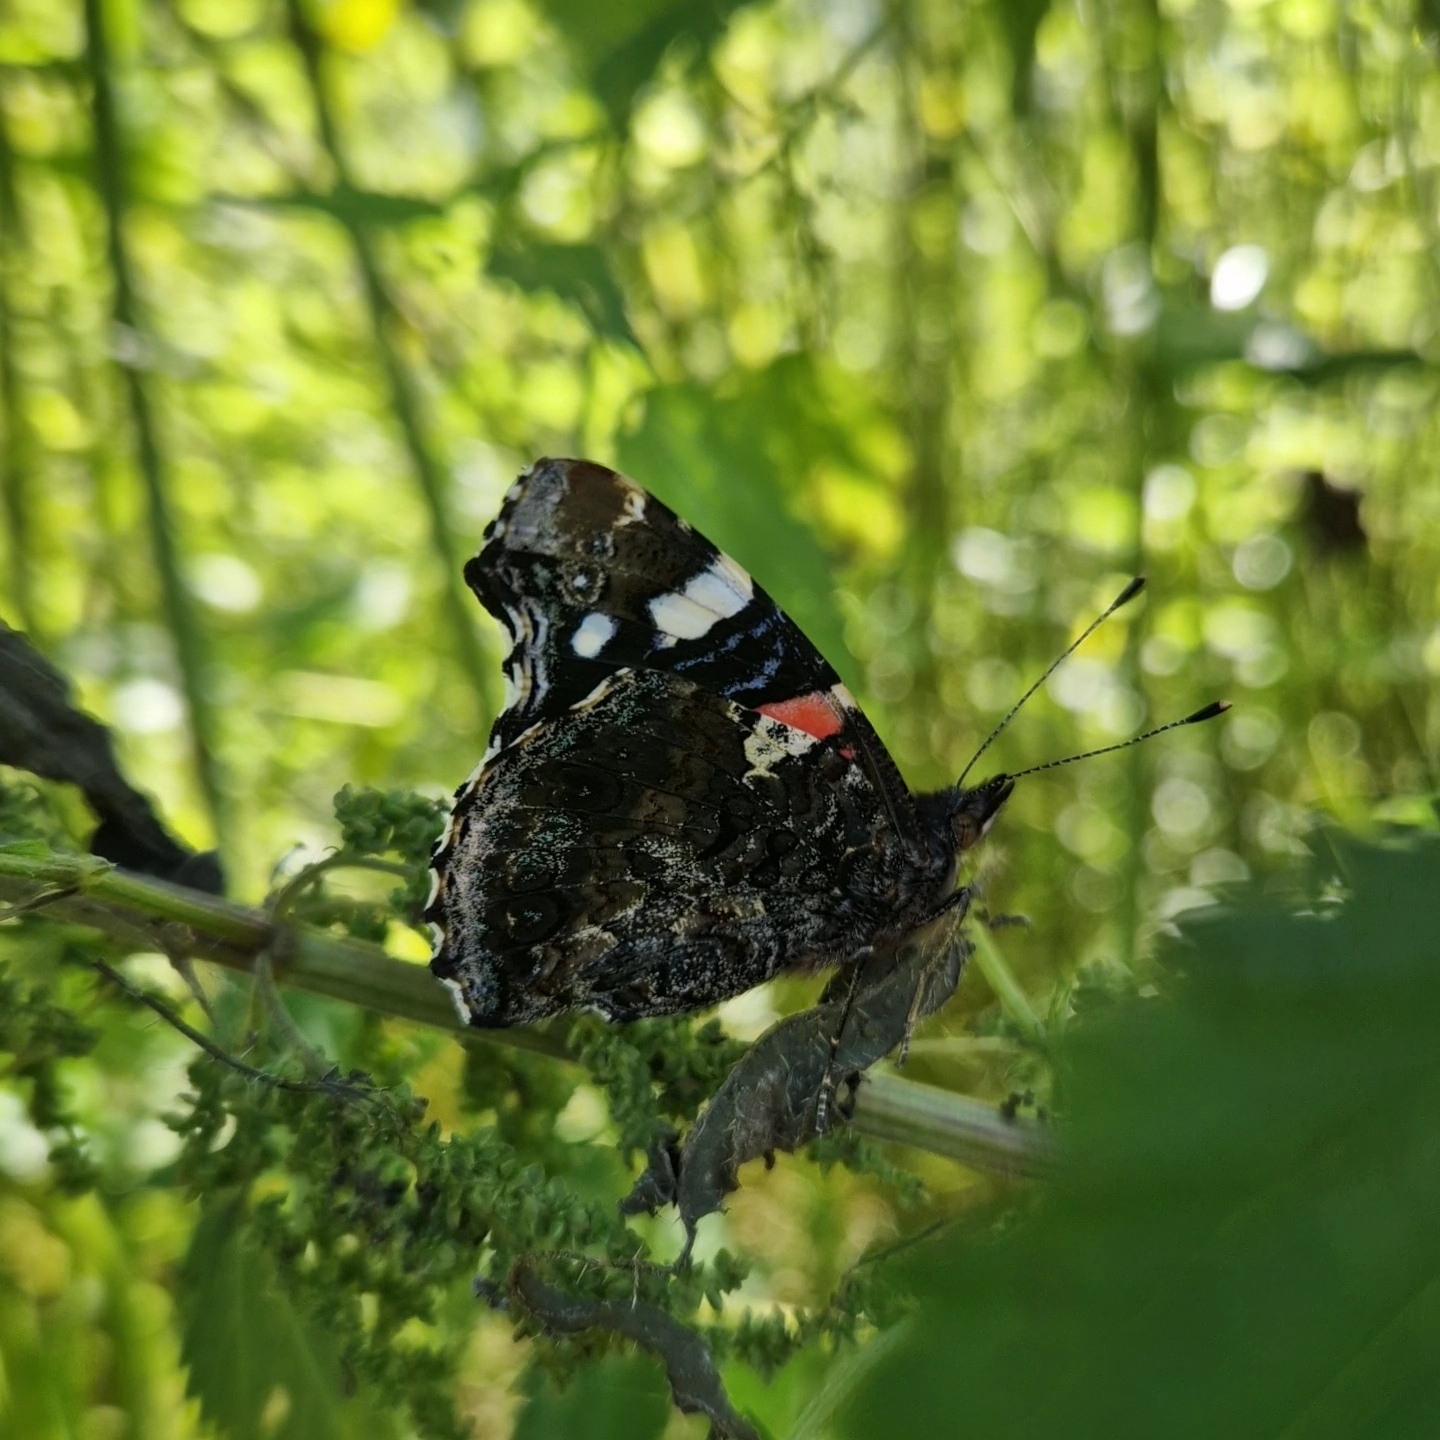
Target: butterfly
pixel 680 799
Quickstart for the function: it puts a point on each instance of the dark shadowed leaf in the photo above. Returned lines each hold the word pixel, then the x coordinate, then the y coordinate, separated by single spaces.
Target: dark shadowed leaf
pixel 709 460
pixel 1244 1242
pixel 617 1398
pixel 258 1369
pixel 1021 20
pixel 353 207
pixel 620 46
pixel 578 273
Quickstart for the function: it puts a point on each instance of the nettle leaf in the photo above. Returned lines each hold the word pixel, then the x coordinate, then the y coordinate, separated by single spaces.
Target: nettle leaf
pixel 580 274
pixel 613 1398
pixel 260 1370
pixel 1243 1242
pixel 708 460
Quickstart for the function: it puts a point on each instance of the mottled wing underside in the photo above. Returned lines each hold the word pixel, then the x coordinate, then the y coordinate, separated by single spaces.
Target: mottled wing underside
pixel 655 850
pixel 679 799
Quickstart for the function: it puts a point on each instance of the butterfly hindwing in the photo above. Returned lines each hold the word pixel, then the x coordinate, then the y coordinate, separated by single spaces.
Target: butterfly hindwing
pixel 655 849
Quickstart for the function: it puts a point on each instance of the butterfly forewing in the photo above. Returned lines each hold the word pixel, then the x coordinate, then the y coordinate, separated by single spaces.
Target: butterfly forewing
pixel 588 573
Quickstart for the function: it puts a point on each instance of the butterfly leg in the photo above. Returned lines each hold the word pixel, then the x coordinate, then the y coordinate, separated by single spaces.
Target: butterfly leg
pixel 827 1081
pixel 958 900
pixel 1005 922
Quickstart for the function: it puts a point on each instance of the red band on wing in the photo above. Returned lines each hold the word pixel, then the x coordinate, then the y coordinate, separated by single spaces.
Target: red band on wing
pixel 817 714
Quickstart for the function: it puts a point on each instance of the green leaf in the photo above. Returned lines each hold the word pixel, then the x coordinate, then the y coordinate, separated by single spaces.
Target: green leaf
pixel 614 1398
pixel 620 46
pixel 260 1370
pixel 712 462
pixel 1021 20
pixel 352 207
pixel 1244 1241
pixel 578 273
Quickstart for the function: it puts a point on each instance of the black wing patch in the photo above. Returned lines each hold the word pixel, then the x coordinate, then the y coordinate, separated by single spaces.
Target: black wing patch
pixel 590 574
pixel 656 849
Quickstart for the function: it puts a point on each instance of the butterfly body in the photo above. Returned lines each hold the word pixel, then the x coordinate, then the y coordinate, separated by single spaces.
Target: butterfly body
pixel 680 799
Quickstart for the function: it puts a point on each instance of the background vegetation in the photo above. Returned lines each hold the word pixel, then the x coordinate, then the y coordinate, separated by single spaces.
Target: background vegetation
pixel 943 318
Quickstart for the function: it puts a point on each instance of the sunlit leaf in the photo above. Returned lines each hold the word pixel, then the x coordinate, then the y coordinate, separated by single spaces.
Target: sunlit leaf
pixel 354 24
pixel 709 461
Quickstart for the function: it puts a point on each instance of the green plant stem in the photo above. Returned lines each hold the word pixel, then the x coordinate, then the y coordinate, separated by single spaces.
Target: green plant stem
pixel 179 613
pixel 214 1051
pixel 404 397
pixel 962 1129
pixel 15 480
pixel 1007 989
pixel 179 921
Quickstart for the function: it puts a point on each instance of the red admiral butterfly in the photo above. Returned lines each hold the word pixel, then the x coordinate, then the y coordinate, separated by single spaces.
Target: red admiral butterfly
pixel 680 799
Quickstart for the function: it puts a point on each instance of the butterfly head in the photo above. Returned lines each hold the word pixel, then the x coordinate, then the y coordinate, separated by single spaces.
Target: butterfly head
pixel 973 812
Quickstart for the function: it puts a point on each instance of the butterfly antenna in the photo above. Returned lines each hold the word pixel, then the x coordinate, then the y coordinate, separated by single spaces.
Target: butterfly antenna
pixel 1123 598
pixel 1216 707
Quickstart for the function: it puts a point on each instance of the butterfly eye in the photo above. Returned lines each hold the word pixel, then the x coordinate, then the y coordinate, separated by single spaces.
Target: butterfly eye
pixel 975 810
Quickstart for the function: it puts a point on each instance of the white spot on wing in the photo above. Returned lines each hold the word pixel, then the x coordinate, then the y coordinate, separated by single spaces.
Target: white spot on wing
pixel 592 635
pixel 724 588
pixel 457 994
pixel 738 575
pixel 771 742
pixel 719 591
pixel 634 510
pixel 677 617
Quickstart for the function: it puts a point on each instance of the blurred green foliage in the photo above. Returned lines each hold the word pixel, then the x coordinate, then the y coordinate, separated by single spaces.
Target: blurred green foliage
pixel 1243 1241
pixel 944 318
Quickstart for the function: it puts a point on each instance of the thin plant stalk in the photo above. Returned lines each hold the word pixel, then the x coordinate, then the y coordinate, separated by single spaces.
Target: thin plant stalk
pixel 179 612
pixel 15 476
pixel 404 397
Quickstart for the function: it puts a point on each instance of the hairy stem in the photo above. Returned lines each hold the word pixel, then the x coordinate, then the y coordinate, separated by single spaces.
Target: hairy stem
pixel 180 921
